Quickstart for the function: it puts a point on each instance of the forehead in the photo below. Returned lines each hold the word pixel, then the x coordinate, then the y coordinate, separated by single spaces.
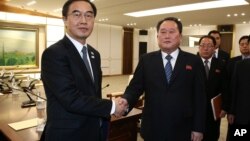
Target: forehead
pixel 206 40
pixel 168 25
pixel 81 6
pixel 244 41
pixel 215 35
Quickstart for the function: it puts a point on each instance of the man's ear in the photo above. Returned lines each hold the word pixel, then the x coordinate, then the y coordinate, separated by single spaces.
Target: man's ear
pixel 64 19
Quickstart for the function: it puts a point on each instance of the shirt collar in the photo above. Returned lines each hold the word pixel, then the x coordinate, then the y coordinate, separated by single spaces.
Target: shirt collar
pixel 173 54
pixel 209 60
pixel 77 44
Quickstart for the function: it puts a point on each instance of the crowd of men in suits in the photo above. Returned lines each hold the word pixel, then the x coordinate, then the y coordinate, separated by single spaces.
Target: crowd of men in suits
pixel 229 77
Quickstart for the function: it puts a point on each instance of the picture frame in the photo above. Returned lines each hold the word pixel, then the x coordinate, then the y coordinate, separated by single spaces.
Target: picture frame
pixel 19 46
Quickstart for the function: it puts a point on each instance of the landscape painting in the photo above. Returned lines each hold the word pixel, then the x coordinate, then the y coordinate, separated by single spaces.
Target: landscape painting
pixel 18 47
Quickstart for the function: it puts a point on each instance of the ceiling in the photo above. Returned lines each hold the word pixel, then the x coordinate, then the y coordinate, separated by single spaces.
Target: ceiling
pixel 114 10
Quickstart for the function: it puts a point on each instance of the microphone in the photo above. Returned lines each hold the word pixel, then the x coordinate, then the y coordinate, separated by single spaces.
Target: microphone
pixel 5 88
pixel 32 93
pixel 28 91
pixel 3 72
pixel 105 86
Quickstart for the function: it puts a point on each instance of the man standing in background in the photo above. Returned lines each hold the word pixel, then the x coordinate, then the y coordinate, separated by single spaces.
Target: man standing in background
pixel 72 76
pixel 216 82
pixel 219 53
pixel 239 115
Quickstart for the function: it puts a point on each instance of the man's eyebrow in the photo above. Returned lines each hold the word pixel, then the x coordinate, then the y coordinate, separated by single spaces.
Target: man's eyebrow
pixel 75 11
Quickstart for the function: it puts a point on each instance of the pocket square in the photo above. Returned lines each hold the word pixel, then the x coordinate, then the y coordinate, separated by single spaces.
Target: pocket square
pixel 189 67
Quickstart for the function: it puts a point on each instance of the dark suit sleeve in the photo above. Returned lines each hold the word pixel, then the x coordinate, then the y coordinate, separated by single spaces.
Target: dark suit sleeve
pixel 233 87
pixel 199 99
pixel 65 86
pixel 135 88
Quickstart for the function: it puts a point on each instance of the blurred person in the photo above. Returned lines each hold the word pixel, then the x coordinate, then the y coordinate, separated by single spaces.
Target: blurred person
pixel 245 53
pixel 240 114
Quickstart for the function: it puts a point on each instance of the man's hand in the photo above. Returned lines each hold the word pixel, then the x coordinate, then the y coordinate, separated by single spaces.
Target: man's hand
pixel 121 106
pixel 196 136
pixel 223 113
pixel 230 118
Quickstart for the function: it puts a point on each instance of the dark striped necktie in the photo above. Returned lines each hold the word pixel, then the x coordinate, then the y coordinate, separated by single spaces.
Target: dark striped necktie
pixel 168 68
pixel 86 62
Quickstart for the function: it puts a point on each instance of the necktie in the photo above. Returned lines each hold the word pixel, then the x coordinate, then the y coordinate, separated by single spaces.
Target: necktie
pixel 86 62
pixel 206 67
pixel 168 68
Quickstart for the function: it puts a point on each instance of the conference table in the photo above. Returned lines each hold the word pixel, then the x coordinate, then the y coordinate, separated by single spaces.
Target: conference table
pixel 121 129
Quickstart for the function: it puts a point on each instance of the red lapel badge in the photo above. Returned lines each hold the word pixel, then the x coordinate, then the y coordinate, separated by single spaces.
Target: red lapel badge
pixel 217 71
pixel 188 67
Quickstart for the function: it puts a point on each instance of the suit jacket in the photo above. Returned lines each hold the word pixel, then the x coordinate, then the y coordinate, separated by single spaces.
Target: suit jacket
pixel 230 70
pixel 216 83
pixel 171 111
pixel 240 90
pixel 224 56
pixel 74 105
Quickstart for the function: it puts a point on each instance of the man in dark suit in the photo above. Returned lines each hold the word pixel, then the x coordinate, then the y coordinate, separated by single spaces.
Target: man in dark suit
pixel 240 81
pixel 175 101
pixel 219 53
pixel 245 53
pixel 75 110
pixel 215 72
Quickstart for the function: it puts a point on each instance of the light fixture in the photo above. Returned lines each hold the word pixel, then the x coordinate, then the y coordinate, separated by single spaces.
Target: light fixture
pixel 131 24
pixel 228 15
pixel 243 14
pixel 235 14
pixel 31 3
pixel 103 20
pixel 188 7
pixel 57 10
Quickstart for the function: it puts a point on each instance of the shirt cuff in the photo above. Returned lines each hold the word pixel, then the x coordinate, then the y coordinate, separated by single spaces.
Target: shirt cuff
pixel 113 108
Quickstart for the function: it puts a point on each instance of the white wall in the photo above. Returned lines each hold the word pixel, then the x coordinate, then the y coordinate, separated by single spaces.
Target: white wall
pixel 240 30
pixel 107 39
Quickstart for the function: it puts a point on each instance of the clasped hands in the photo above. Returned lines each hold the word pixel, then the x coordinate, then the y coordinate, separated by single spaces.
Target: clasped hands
pixel 121 107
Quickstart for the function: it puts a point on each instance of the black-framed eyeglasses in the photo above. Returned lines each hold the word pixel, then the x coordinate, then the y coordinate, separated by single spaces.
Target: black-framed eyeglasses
pixel 206 45
pixel 89 15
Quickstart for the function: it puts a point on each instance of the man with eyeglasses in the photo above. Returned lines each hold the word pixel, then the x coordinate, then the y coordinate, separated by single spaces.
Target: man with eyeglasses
pixel 245 53
pixel 215 83
pixel 239 117
pixel 71 74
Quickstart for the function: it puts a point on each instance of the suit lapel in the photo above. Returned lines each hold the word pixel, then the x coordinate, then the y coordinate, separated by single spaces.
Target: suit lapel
pixel 179 65
pixel 92 58
pixel 75 56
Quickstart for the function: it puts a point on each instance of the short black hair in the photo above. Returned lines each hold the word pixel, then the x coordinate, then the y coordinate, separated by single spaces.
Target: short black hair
pixel 243 37
pixel 214 32
pixel 69 2
pixel 210 37
pixel 179 24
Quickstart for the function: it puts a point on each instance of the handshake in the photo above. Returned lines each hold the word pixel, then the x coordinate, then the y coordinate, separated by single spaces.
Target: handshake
pixel 121 106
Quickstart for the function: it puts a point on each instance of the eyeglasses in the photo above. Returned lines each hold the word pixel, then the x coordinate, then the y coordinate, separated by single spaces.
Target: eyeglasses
pixel 206 45
pixel 78 15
